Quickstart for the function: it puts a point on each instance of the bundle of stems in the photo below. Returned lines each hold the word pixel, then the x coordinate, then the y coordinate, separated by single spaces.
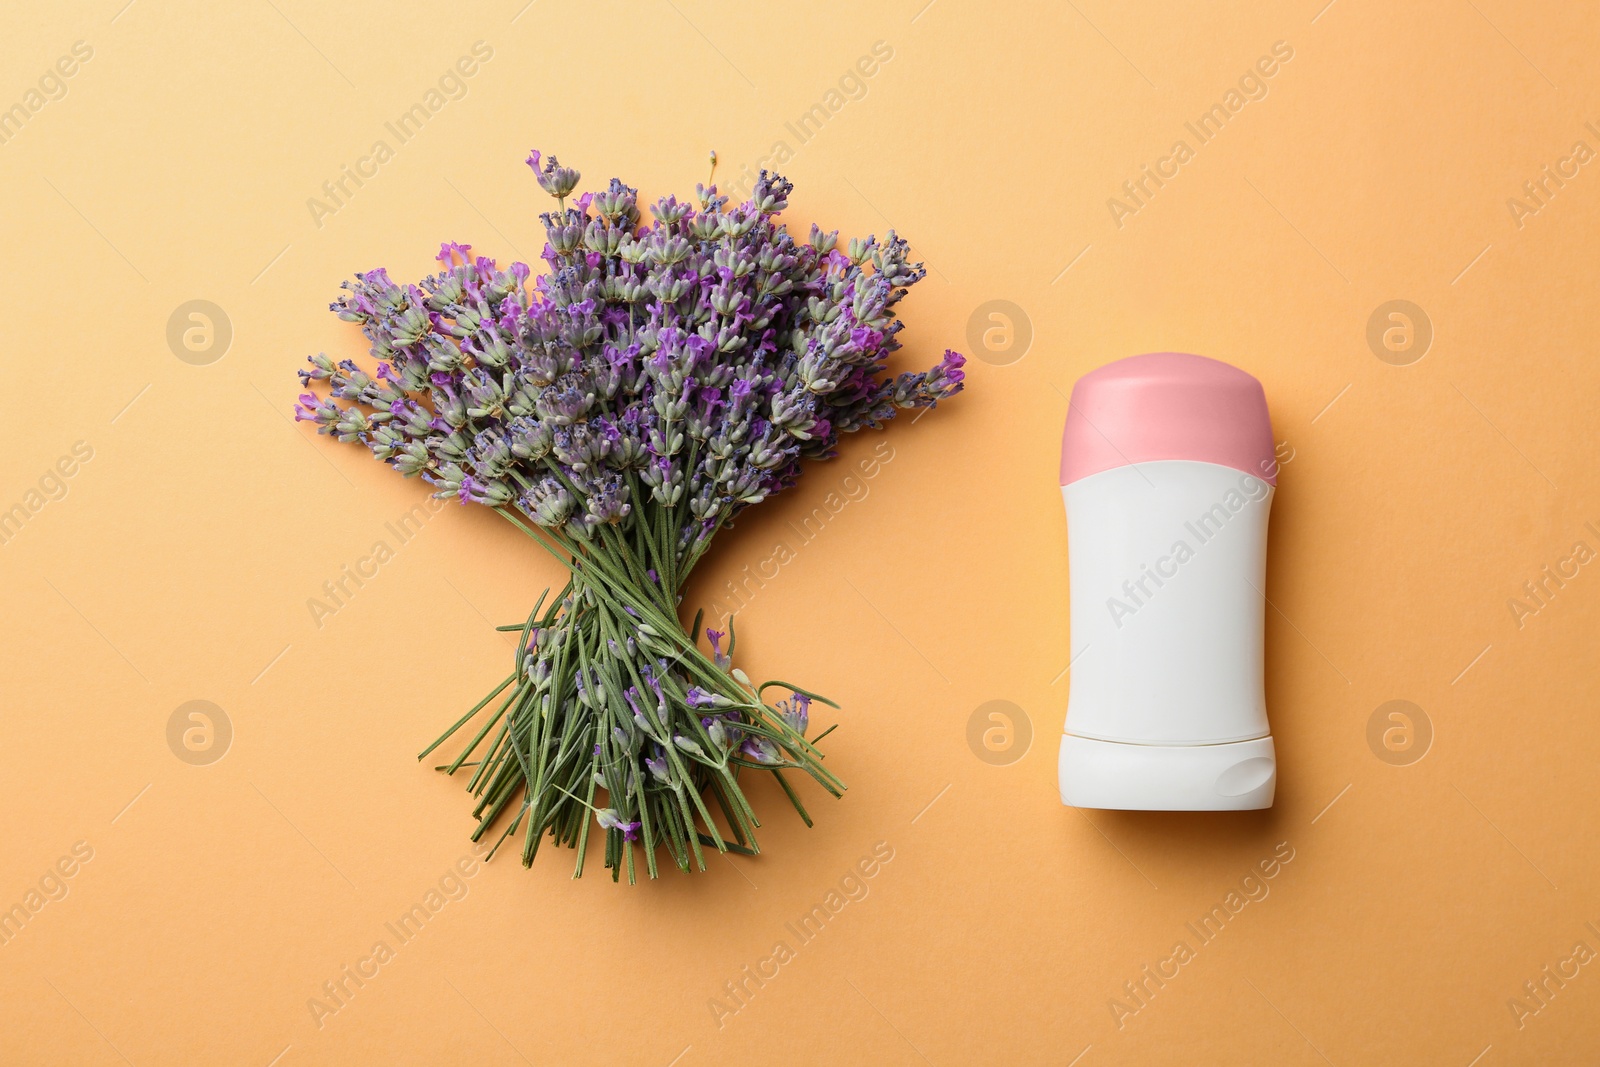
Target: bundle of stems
pixel 603 675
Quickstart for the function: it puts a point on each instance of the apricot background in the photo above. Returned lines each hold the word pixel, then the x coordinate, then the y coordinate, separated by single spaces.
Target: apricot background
pixel 1418 500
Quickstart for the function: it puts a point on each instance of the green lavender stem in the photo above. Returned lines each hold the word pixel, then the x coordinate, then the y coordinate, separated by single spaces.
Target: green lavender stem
pixel 565 748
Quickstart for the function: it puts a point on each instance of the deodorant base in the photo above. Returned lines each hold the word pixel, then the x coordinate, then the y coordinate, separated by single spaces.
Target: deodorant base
pixel 1239 776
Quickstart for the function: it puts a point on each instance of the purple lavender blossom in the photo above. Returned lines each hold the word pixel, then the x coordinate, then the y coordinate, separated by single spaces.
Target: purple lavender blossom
pixel 720 658
pixel 758 749
pixel 796 712
pixel 610 820
pixel 711 325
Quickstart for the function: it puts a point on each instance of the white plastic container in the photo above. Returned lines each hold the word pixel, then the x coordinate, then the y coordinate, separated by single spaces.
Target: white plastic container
pixel 1168 473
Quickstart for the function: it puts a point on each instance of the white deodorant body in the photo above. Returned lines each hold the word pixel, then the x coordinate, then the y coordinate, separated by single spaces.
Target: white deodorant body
pixel 1168 476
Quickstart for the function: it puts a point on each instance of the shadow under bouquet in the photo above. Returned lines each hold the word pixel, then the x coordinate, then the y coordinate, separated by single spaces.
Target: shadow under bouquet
pixel 653 383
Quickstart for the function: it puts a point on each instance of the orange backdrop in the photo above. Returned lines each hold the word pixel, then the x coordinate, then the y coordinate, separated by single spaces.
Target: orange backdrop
pixel 1386 215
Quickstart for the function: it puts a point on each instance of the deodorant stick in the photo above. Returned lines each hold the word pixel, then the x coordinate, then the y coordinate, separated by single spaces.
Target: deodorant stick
pixel 1168 472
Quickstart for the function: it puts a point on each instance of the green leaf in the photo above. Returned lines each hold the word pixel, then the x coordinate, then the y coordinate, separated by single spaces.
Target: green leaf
pixel 796 689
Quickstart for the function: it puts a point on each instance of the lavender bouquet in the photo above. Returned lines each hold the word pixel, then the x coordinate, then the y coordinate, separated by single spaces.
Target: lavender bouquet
pixel 654 383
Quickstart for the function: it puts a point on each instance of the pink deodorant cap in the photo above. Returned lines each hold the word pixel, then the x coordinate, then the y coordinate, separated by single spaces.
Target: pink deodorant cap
pixel 1167 405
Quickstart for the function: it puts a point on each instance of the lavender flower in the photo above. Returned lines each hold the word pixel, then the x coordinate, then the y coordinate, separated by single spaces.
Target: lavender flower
pixel 717 655
pixel 672 364
pixel 610 820
pixel 761 750
pixel 796 712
